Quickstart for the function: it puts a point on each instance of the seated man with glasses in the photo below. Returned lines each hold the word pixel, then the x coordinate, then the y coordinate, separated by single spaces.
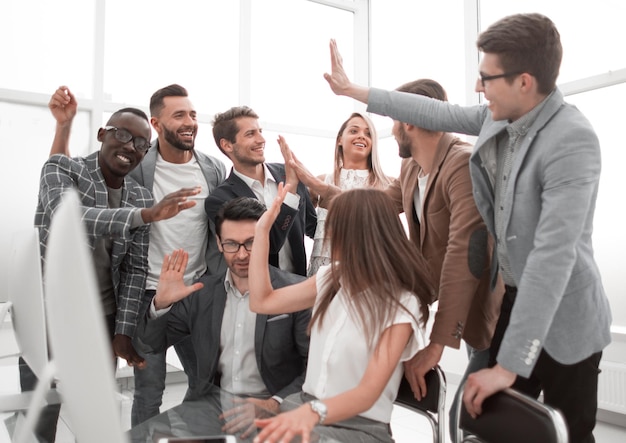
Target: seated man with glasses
pixel 262 357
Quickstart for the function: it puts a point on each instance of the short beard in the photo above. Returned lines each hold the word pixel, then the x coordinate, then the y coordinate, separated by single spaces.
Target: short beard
pixel 173 140
pixel 404 150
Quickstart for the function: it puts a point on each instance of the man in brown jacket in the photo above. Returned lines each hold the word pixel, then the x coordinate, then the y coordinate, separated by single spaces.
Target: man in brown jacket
pixel 434 190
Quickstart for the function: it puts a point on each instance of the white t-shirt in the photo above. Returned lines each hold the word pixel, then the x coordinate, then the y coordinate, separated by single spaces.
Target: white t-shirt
pixel 187 230
pixel 339 352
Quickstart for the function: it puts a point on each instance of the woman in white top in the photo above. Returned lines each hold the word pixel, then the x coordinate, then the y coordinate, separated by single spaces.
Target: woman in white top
pixel 356 166
pixel 369 308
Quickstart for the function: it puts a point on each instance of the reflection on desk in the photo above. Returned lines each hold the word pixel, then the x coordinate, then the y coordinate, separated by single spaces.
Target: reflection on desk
pixel 218 413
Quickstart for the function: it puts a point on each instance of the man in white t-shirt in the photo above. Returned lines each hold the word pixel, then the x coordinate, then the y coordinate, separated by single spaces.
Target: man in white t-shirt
pixel 172 161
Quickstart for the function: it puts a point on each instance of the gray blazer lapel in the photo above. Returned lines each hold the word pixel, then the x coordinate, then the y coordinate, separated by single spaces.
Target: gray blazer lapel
pixel 148 166
pixel 100 186
pixel 219 304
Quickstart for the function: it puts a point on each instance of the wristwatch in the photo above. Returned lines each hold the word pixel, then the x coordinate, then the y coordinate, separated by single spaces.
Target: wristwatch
pixel 320 409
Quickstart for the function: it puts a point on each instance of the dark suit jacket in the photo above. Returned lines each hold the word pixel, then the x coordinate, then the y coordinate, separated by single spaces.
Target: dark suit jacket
pixel 282 345
pixel 291 225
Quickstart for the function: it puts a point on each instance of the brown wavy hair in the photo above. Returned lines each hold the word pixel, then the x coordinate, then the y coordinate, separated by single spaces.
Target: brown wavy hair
pixel 373 261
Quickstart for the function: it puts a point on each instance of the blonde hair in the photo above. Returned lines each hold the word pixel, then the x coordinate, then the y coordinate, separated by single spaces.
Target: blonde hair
pixel 377 178
pixel 373 261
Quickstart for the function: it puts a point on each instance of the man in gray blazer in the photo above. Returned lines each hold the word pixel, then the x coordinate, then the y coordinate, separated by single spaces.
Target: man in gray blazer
pixel 260 356
pixel 171 161
pixel 535 171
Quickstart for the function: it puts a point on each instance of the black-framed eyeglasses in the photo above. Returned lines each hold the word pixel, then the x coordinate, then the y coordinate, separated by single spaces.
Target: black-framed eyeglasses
pixel 123 135
pixel 231 246
pixel 486 78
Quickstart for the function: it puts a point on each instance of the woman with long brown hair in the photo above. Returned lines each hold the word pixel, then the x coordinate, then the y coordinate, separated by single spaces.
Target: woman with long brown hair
pixel 369 309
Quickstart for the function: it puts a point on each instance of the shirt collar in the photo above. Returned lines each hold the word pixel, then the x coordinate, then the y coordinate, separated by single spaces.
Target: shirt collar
pixel 521 125
pixel 250 181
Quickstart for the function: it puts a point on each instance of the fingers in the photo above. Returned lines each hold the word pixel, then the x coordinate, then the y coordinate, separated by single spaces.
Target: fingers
pixel 61 97
pixel 134 359
pixel 178 260
pixel 421 381
pixel 473 398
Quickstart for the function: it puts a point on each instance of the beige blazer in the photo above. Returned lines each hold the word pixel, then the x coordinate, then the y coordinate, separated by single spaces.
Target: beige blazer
pixel 455 242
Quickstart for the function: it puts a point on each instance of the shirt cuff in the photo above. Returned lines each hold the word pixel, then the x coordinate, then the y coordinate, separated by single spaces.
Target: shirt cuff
pixel 277 398
pixel 136 220
pixel 292 200
pixel 156 313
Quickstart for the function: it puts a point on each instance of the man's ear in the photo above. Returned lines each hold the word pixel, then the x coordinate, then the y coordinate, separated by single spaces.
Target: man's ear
pixel 226 145
pixel 218 240
pixel 155 124
pixel 527 82
pixel 101 133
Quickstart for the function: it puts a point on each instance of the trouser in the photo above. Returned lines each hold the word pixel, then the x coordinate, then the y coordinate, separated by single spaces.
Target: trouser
pixel 477 360
pixel 150 381
pixel 572 389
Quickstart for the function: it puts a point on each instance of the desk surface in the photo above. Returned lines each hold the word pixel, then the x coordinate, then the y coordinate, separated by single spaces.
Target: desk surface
pixel 202 418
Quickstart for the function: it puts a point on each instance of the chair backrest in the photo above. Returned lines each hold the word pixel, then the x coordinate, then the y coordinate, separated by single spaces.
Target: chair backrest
pixel 25 289
pixel 432 406
pixel 512 417
pixel 81 353
pixel 435 379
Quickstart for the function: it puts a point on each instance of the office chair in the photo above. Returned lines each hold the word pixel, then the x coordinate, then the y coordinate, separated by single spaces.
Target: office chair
pixel 512 417
pixel 433 406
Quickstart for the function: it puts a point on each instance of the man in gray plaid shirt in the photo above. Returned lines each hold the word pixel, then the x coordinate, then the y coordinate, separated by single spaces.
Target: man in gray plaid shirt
pixel 116 212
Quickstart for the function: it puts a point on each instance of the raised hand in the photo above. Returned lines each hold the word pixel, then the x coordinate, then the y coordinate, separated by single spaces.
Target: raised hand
pixel 63 105
pixel 338 79
pixel 291 176
pixel 268 218
pixel 171 287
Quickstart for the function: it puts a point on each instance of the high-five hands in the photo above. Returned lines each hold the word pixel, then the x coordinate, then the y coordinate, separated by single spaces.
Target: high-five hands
pixel 171 287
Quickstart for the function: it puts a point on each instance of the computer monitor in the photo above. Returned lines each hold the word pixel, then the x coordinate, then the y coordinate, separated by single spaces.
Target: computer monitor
pixel 25 290
pixel 81 351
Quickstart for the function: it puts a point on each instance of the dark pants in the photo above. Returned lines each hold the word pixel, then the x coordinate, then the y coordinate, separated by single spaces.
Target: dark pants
pixel 572 389
pixel 46 428
pixel 150 381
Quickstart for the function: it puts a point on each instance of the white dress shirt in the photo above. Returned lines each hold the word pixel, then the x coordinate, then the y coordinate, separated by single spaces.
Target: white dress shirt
pixel 266 193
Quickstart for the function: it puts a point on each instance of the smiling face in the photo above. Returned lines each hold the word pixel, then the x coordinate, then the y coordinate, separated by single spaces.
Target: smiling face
pixel 116 158
pixel 355 141
pixel 502 93
pixel 176 123
pixel 249 147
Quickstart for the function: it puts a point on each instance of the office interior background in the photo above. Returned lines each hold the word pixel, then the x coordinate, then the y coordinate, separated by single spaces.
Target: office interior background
pixel 271 55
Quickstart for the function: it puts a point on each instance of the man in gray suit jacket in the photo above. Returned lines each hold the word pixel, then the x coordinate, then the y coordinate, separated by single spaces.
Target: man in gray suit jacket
pixel 535 171
pixel 173 160
pixel 260 356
